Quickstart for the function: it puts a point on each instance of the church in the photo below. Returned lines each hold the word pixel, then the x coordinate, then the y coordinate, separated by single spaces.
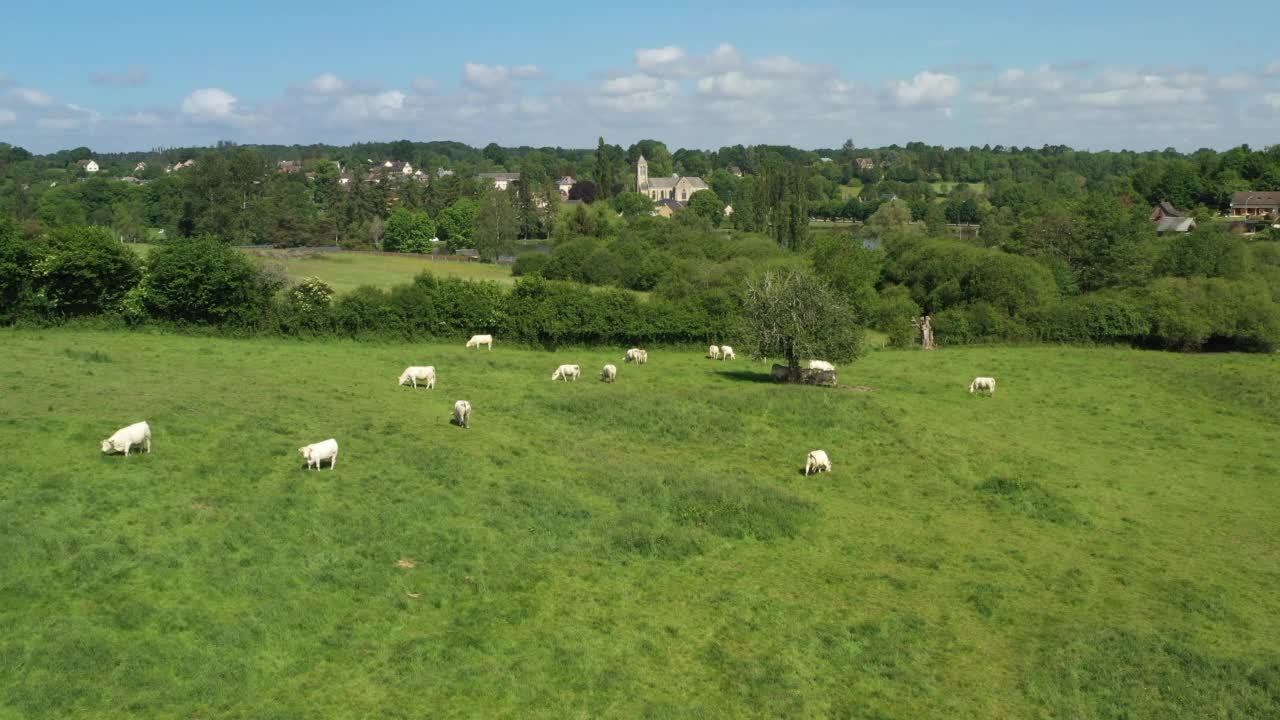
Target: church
pixel 675 187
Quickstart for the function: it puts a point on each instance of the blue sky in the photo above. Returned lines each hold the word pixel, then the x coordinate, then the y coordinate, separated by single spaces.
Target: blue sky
pixel 1090 74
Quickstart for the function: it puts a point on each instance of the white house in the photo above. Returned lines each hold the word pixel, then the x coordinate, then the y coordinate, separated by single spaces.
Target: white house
pixel 396 166
pixel 565 184
pixel 501 181
pixel 89 166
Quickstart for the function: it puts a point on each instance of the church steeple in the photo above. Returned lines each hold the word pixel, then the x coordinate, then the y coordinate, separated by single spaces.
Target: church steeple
pixel 642 174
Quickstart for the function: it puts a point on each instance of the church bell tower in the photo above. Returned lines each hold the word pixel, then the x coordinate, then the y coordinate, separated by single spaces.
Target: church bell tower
pixel 642 174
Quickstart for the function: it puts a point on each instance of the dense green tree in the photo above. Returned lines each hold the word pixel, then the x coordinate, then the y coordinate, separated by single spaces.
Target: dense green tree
pixel 202 280
pixel 707 204
pixel 86 271
pixel 1117 248
pixel 852 271
pixel 632 204
pixel 456 223
pixel 1205 252
pixel 655 154
pixel 408 231
pixel 497 225
pixel 18 258
pixel 793 314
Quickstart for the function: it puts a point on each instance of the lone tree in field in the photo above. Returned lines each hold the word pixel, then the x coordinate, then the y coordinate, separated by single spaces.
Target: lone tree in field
pixel 795 315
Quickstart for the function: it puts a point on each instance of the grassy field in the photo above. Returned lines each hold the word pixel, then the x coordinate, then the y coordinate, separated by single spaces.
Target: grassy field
pixel 946 188
pixel 1097 540
pixel 347 271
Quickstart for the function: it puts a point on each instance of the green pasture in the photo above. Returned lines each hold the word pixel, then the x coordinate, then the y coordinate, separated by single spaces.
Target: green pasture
pixel 1099 539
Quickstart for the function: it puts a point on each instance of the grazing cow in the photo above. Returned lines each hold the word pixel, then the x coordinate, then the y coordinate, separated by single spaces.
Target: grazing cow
pixel 610 373
pixel 462 414
pixel 636 355
pixel 413 374
pixel 726 353
pixel 817 462
pixel 315 453
pixel 644 357
pixel 983 384
pixel 477 340
pixel 713 352
pixel 821 365
pixel 566 373
pixel 138 433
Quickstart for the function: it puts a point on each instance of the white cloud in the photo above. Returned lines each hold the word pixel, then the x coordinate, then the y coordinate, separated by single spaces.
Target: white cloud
pixel 489 78
pixel 1272 69
pixel 782 65
pixel 58 123
pixel 927 89
pixel 736 84
pixel 325 84
pixel 383 106
pixel 698 98
pixel 659 58
pixel 31 97
pixel 1238 82
pixel 143 119
pixel 210 104
pixel 130 77
pixel 1045 78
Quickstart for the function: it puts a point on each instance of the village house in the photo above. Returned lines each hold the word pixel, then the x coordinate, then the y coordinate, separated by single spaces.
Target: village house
pixel 441 172
pixel 735 171
pixel 288 166
pixel 864 163
pixel 179 166
pixel 501 181
pixel 89 166
pixel 140 168
pixel 1175 224
pixel 565 184
pixel 668 207
pixel 1255 204
pixel 673 188
pixel 397 166
pixel 1165 210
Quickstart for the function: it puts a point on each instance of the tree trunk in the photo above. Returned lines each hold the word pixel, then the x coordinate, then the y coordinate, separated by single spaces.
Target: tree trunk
pixel 793 363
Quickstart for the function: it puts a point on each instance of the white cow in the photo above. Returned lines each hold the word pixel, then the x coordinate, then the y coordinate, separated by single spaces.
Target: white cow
pixel 462 414
pixel 567 372
pixel 138 433
pixel 713 352
pixel 315 453
pixel 637 356
pixel 478 340
pixel 821 365
pixel 987 384
pixel 726 353
pixel 610 373
pixel 817 462
pixel 425 373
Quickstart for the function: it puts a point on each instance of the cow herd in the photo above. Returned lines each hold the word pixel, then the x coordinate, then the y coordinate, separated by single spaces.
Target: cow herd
pixel 139 433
